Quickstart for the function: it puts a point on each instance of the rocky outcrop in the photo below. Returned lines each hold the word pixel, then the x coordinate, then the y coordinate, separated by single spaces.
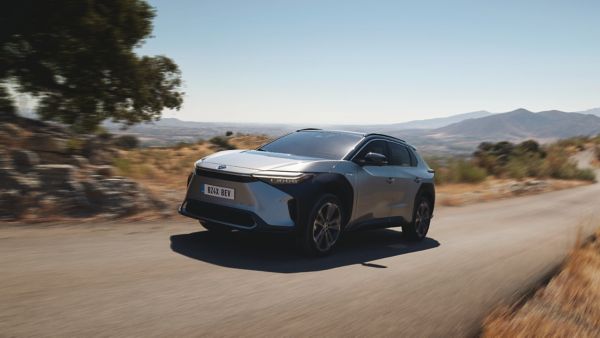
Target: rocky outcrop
pixel 24 160
pixel 47 171
pixel 46 143
pixel 530 186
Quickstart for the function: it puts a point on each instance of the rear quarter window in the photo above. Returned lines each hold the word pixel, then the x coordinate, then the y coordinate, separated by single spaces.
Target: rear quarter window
pixel 400 155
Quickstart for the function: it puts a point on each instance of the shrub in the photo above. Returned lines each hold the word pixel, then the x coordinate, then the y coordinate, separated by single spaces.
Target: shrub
pixel 516 169
pixel 75 145
pixel 123 166
pixel 126 142
pixel 577 142
pixel 559 165
pixel 102 133
pixel 181 144
pixel 586 175
pixel 468 172
pixel 457 171
pixel 222 142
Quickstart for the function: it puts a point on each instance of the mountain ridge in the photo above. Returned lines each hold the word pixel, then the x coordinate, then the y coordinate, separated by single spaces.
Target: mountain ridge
pixel 522 123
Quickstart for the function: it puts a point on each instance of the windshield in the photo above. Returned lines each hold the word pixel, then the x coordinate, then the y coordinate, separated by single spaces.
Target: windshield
pixel 319 144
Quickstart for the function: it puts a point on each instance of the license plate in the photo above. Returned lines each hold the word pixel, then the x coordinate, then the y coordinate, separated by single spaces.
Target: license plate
pixel 213 190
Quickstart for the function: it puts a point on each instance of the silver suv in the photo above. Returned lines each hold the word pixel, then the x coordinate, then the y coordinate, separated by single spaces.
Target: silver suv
pixel 316 184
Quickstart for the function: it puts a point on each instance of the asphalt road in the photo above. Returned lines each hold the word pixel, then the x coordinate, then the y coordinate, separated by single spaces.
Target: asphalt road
pixel 174 279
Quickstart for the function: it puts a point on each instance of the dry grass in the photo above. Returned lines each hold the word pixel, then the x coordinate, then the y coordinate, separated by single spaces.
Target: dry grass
pixel 569 306
pixel 164 171
pixel 169 167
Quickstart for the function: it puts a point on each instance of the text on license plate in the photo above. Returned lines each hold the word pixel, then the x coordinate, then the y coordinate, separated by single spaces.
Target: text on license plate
pixel 213 190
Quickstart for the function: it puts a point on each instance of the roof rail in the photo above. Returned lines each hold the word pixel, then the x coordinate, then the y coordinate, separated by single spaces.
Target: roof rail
pixel 303 129
pixel 384 135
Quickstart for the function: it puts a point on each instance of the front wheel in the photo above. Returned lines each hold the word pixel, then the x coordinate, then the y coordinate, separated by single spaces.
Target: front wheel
pixel 418 228
pixel 323 228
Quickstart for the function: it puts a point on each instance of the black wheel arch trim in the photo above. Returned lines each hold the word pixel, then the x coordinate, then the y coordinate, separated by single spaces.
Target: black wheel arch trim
pixel 428 190
pixel 306 194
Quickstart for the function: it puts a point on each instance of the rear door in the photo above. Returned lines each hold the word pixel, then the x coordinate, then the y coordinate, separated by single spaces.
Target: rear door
pixel 406 182
pixel 374 184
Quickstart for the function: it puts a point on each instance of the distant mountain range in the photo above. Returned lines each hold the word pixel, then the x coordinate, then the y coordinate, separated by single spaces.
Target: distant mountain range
pixel 440 121
pixel 459 133
pixel 593 111
pixel 521 124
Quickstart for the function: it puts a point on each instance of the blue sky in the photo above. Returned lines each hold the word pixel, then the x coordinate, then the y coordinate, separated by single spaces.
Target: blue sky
pixel 378 61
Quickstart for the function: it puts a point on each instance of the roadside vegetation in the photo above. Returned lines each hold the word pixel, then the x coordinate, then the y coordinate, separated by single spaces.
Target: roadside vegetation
pixel 568 306
pixel 494 171
pixel 517 161
pixel 169 166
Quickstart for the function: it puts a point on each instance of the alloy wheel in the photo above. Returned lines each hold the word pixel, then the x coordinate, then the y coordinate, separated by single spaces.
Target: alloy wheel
pixel 422 219
pixel 327 226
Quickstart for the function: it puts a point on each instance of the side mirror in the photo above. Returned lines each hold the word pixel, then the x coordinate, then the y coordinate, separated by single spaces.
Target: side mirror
pixel 374 159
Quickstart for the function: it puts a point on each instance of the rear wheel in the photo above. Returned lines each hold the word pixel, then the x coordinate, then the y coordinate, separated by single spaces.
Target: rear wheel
pixel 215 228
pixel 418 228
pixel 324 226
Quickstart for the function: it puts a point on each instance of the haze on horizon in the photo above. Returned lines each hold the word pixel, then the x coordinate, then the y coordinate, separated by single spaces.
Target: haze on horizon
pixel 370 62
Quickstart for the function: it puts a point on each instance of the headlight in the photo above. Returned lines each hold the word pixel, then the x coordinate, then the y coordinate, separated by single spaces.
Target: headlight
pixel 282 177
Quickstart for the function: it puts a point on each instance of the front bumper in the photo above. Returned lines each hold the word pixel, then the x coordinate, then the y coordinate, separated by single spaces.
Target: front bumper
pixel 230 217
pixel 257 205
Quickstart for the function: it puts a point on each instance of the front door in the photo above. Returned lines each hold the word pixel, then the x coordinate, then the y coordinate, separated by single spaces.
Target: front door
pixel 374 184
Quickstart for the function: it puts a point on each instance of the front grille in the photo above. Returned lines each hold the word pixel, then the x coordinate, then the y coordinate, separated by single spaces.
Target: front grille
pixel 224 175
pixel 220 213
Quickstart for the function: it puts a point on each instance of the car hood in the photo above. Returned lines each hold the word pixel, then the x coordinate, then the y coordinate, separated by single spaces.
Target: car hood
pixel 249 161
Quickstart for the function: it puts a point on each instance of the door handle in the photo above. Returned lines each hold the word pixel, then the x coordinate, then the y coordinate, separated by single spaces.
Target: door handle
pixel 417 179
pixel 390 180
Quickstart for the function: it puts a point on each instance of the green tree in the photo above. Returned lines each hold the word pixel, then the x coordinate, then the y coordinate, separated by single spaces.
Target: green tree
pixel 77 57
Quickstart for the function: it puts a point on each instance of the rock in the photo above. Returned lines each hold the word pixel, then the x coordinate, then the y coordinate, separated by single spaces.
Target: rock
pixel 94 193
pixel 11 206
pixel 12 130
pixel 101 158
pixel 24 160
pixel 55 176
pixel 79 161
pixel 6 140
pixel 70 202
pixel 118 196
pixel 5 161
pixel 105 171
pixel 536 183
pixel 9 180
pixel 53 158
pixel 528 187
pixel 46 143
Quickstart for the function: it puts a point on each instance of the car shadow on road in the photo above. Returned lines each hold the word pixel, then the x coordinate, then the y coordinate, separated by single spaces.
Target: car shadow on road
pixel 276 253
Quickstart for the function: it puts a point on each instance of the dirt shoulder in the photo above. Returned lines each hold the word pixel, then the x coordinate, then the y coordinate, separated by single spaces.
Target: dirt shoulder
pixel 494 189
pixel 568 306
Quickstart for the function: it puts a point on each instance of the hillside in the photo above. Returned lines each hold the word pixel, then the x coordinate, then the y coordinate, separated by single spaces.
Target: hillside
pixel 522 124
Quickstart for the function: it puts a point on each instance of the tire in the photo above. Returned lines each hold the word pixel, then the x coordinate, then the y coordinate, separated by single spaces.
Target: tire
pixel 216 228
pixel 418 228
pixel 323 228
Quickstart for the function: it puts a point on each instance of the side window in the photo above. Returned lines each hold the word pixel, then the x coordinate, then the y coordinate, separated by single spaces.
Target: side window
pixel 399 155
pixel 377 146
